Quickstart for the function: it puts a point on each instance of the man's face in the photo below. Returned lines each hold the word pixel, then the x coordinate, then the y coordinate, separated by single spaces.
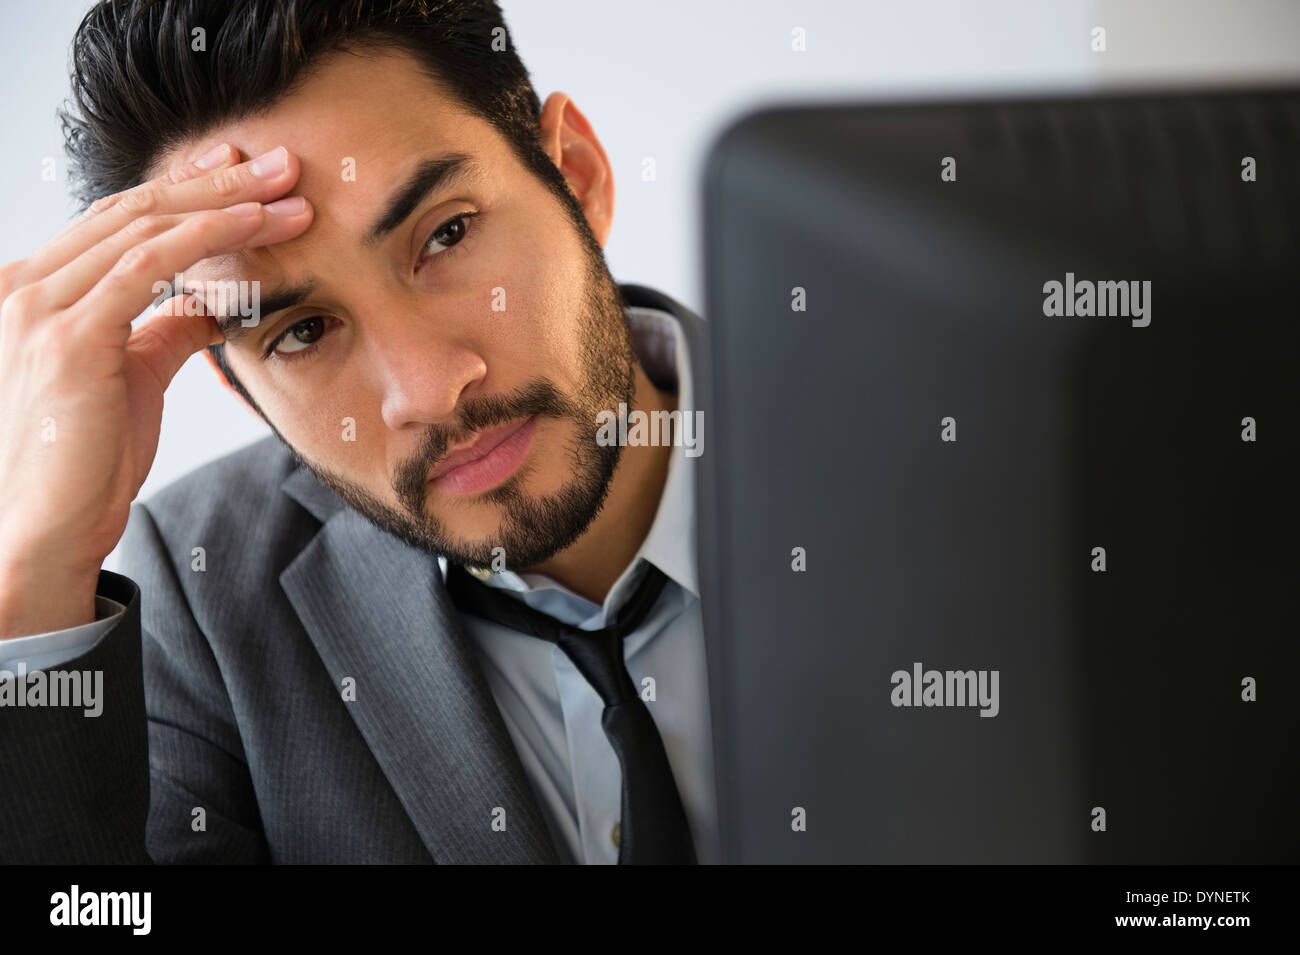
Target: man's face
pixel 479 309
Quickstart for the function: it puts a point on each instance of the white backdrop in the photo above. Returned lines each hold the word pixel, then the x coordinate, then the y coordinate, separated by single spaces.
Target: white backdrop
pixel 660 79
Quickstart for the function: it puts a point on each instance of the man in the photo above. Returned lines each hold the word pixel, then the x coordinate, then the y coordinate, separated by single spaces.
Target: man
pixel 307 671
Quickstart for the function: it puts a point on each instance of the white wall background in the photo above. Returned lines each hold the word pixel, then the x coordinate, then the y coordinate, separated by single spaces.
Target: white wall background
pixel 660 79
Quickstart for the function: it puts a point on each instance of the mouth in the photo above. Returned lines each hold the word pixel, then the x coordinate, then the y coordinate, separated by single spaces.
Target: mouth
pixel 492 457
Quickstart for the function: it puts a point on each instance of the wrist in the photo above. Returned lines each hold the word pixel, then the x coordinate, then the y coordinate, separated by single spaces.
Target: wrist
pixel 37 598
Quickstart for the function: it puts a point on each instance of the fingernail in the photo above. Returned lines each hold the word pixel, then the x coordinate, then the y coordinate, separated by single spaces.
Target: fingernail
pixel 271 164
pixel 243 209
pixel 289 206
pixel 214 158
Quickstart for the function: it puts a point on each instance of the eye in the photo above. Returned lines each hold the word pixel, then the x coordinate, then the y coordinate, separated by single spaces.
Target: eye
pixel 298 338
pixel 448 235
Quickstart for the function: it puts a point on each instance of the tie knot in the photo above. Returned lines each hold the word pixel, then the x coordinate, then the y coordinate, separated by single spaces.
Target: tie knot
pixel 598 654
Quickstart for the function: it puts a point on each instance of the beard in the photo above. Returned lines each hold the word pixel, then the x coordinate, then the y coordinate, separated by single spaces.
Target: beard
pixel 532 528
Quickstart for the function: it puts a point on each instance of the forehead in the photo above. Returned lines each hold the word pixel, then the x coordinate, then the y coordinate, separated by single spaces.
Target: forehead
pixel 359 123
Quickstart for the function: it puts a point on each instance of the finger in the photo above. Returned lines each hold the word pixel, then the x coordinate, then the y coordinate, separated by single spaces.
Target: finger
pixel 91 226
pixel 79 276
pixel 260 180
pixel 126 289
pixel 165 340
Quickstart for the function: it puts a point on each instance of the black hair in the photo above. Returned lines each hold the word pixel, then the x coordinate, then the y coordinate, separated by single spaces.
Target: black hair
pixel 141 86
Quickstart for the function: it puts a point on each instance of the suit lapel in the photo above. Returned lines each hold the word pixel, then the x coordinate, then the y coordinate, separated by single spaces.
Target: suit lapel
pixel 377 611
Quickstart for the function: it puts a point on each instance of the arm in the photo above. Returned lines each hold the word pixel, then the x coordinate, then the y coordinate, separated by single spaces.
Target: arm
pixel 75 788
pixel 123 786
pixel 82 390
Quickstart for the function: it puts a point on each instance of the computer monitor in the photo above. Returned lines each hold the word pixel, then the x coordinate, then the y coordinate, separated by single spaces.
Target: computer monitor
pixel 999 530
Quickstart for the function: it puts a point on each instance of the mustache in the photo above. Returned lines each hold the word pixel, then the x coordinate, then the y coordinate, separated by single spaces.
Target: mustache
pixel 538 397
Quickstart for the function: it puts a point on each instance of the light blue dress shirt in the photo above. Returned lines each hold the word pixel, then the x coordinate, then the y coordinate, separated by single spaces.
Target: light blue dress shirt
pixel 551 712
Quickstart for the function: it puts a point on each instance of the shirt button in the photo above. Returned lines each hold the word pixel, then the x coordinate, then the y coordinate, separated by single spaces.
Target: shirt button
pixel 616 834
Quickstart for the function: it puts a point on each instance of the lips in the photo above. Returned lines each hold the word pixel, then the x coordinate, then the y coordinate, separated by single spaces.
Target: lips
pixel 482 446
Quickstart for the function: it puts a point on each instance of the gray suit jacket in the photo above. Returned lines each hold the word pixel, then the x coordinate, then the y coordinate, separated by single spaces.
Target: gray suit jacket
pixel 223 692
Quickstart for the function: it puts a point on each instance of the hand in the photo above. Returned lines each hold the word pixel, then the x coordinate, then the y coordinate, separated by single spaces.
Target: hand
pixel 82 392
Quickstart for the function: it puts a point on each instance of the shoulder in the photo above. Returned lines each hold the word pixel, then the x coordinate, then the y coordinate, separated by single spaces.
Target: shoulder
pixel 240 486
pixel 234 509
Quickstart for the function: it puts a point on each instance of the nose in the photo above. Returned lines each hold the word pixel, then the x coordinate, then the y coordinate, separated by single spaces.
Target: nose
pixel 423 365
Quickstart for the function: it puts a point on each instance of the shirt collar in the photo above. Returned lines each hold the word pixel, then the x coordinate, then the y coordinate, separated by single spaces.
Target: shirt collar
pixel 660 345
pixel 670 545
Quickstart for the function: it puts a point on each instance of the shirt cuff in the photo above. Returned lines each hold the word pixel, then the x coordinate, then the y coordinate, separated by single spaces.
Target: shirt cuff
pixel 40 651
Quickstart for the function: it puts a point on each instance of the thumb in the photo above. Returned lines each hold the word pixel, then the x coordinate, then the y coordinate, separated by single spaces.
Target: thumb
pixel 168 337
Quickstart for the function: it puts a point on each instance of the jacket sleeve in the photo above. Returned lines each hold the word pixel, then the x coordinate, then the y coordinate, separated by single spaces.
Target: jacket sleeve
pixel 75 787
pixel 160 774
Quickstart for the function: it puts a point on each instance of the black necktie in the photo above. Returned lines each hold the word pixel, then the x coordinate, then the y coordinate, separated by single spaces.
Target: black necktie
pixel 653 829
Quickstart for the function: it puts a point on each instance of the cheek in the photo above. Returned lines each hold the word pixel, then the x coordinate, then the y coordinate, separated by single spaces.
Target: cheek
pixel 334 429
pixel 538 333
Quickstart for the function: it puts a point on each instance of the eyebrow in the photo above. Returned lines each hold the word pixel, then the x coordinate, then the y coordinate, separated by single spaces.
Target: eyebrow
pixel 442 172
pixel 286 296
pixel 431 175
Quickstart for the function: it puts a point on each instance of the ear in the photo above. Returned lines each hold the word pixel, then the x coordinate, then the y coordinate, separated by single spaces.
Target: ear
pixel 572 145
